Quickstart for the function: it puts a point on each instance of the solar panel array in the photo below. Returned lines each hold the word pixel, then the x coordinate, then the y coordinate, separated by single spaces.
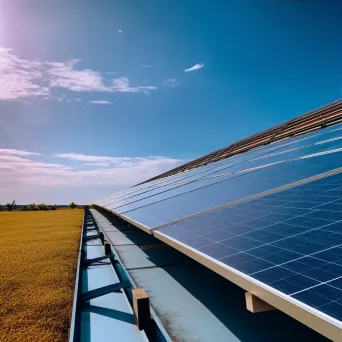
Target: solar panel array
pixel 286 237
pixel 291 241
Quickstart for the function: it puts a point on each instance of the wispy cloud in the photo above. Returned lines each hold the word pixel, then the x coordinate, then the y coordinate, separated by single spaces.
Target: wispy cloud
pixel 172 82
pixel 85 157
pixel 22 172
pixel 194 67
pixel 22 78
pixel 146 66
pixel 118 162
pixel 26 167
pixel 120 31
pixel 13 152
pixel 123 85
pixel 64 75
pixel 100 164
pixel 101 102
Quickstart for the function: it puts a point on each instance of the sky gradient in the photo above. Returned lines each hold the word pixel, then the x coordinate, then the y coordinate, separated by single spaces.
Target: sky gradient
pixel 99 95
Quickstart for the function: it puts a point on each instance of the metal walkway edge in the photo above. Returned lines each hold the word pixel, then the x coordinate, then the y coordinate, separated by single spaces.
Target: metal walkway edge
pixel 101 309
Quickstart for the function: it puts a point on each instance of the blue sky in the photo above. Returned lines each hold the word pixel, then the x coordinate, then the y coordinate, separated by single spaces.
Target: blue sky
pixel 98 95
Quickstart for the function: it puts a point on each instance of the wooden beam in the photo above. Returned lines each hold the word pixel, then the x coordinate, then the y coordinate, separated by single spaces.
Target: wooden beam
pixel 141 308
pixel 101 236
pixel 255 304
pixel 107 248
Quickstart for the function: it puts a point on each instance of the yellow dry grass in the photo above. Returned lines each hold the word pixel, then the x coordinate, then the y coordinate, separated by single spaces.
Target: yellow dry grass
pixel 38 260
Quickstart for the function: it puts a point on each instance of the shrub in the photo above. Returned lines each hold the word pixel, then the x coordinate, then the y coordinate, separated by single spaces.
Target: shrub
pixel 32 207
pixel 53 207
pixel 72 205
pixel 43 206
pixel 10 206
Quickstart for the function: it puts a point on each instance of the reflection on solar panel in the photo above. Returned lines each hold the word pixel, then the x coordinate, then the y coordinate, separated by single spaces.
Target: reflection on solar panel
pixel 229 189
pixel 214 176
pixel 269 220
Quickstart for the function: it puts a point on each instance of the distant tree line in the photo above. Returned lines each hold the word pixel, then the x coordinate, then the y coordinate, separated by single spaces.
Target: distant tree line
pixel 37 207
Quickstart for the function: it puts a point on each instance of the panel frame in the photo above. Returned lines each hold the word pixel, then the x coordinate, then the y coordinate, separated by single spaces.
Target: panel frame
pixel 134 223
pixel 315 319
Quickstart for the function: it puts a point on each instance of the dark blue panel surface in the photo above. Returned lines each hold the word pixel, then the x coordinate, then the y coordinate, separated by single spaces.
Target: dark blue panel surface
pixel 236 188
pixel 295 250
pixel 294 283
pixel 160 194
pixel 256 156
pixel 325 298
pixel 166 184
pixel 290 241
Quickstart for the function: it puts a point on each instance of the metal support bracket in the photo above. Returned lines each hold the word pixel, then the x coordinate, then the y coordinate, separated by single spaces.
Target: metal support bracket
pixel 90 229
pixel 104 290
pixel 88 262
pixel 91 237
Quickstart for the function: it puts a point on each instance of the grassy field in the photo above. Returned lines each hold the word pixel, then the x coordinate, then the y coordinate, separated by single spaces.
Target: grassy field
pixel 38 254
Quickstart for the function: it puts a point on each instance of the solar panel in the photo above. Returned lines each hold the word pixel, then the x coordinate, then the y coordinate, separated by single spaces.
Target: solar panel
pixel 174 181
pixel 248 159
pixel 159 183
pixel 178 188
pixel 259 152
pixel 276 240
pixel 168 183
pixel 232 189
pixel 269 219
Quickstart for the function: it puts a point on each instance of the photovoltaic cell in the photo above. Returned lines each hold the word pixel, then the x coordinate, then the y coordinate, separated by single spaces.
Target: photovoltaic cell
pixel 295 250
pixel 235 163
pixel 234 188
pixel 175 189
pixel 313 137
pixel 232 164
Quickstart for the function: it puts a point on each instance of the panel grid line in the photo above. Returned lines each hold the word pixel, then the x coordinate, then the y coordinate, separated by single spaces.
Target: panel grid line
pixel 256 196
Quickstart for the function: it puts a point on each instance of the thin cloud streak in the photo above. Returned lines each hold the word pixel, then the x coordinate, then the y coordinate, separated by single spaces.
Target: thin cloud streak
pixel 172 83
pixel 19 172
pixel 195 67
pixel 101 102
pixel 85 157
pixel 100 164
pixel 122 85
pixel 14 152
